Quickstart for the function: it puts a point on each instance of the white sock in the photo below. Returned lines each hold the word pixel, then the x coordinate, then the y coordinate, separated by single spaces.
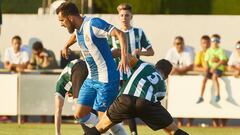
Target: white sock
pixel 118 130
pixel 90 120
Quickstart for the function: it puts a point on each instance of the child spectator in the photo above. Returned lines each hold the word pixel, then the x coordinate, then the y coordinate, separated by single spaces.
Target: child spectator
pixel 199 63
pixel 215 58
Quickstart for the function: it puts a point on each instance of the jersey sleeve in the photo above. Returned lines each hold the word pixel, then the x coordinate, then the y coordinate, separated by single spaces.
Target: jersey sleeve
pixel 101 28
pixel 144 41
pixel 230 61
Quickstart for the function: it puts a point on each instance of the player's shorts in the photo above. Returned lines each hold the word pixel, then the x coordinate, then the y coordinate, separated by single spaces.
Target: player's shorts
pixel 98 95
pixel 218 72
pixel 128 107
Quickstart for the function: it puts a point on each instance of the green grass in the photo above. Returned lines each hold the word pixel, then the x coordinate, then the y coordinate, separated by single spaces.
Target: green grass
pixel 73 129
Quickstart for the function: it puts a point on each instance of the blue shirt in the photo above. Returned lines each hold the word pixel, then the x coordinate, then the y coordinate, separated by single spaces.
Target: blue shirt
pixel 92 39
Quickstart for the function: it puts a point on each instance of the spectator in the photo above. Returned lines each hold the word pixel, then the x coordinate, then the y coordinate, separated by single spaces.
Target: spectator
pixel 234 61
pixel 199 63
pixel 15 59
pixel 215 59
pixel 42 58
pixel 181 58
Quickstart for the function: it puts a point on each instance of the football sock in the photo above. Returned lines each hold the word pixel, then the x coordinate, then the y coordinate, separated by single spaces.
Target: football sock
pixel 89 120
pixel 117 130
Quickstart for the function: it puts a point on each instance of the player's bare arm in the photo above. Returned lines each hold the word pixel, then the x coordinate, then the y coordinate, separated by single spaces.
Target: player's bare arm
pixel 148 52
pixel 124 64
pixel 69 43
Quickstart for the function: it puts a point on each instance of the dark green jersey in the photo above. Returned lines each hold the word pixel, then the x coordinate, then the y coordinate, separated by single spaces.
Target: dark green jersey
pixel 136 39
pixel 64 82
pixel 145 82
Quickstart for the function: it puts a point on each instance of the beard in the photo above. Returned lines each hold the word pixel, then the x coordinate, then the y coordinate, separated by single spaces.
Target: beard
pixel 70 28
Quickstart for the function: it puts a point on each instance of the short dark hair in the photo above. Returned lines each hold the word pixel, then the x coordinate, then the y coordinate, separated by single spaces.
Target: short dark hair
pixel 205 37
pixel 37 46
pixel 216 36
pixel 164 66
pixel 179 38
pixel 124 6
pixel 16 37
pixel 68 8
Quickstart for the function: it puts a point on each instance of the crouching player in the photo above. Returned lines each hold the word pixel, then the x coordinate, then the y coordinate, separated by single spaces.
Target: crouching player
pixel 140 97
pixel 69 82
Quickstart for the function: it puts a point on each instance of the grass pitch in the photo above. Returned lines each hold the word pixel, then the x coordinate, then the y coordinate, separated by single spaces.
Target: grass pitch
pixel 74 129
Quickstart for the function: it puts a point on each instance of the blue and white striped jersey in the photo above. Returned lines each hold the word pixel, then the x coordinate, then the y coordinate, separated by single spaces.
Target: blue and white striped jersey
pixel 92 39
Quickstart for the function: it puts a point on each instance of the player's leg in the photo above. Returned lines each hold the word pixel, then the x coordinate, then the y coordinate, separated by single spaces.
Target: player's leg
pixel 120 109
pixel 86 98
pixel 132 126
pixel 59 101
pixel 106 94
pixel 157 117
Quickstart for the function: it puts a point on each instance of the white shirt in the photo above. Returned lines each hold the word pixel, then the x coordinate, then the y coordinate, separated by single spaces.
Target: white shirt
pixel 234 59
pixel 15 58
pixel 180 59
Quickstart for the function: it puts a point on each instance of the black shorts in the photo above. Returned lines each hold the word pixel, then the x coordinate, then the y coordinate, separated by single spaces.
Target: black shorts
pixel 128 107
pixel 218 72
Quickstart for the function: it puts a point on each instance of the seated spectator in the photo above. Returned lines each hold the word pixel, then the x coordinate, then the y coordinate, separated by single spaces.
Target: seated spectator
pixel 199 62
pixel 15 59
pixel 215 58
pixel 181 58
pixel 42 58
pixel 234 61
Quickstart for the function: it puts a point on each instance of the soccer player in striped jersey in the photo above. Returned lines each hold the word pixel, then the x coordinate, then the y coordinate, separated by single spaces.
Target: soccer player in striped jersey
pixel 140 97
pixel 69 83
pixel 137 41
pixel 101 86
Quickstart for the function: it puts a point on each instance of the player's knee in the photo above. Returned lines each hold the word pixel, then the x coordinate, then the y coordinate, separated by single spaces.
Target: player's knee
pixel 89 119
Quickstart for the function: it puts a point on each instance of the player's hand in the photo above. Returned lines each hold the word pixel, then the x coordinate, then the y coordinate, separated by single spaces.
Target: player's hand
pixel 65 52
pixel 137 52
pixel 124 64
pixel 69 94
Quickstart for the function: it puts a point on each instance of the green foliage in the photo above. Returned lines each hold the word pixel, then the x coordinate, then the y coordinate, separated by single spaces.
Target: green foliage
pixel 21 6
pixel 139 6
